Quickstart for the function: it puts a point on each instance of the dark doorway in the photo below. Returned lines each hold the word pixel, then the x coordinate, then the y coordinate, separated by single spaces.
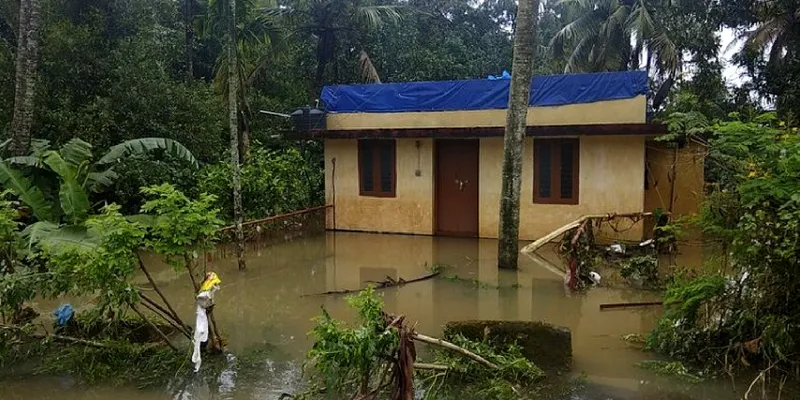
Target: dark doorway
pixel 457 187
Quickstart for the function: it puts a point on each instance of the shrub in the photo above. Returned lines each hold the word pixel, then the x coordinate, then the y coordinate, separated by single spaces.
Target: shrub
pixel 273 182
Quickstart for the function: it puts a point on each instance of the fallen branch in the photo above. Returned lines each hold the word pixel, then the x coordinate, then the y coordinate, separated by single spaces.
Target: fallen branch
pixel 160 294
pixel 454 348
pixel 62 338
pixel 152 325
pixel 158 310
pixel 431 367
pixel 576 224
pixel 384 284
pixel 613 306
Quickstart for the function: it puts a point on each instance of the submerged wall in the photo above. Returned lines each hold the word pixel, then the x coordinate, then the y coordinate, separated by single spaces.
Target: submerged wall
pixel 611 181
pixel 411 211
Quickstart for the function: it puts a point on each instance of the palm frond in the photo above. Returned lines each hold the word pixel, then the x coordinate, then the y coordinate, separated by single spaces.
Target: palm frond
pixel 368 70
pixel 766 33
pixel 29 194
pixel 665 50
pixel 140 146
pixel 374 17
pixel 76 151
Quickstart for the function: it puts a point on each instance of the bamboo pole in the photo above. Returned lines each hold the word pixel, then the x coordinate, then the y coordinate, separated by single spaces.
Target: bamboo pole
pixel 454 348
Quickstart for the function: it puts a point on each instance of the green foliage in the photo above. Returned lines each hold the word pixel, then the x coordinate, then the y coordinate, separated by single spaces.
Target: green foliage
pixel 684 332
pixel 671 368
pixel 104 270
pixel 641 268
pixel 515 374
pixel 17 279
pixel 345 356
pixel 273 182
pixel 118 365
pixel 71 171
pixel 180 226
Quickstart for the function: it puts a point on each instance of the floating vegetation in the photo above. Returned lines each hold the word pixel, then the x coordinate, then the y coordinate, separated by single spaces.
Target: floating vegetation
pixel 670 368
pixel 377 358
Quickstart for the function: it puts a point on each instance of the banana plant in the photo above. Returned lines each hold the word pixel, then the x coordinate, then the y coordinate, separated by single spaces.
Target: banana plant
pixel 55 184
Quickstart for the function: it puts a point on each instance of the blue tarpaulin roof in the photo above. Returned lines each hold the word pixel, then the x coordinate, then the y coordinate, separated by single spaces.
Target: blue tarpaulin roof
pixel 552 90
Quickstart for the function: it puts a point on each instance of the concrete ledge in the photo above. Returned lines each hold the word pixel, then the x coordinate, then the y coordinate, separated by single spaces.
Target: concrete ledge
pixel 548 346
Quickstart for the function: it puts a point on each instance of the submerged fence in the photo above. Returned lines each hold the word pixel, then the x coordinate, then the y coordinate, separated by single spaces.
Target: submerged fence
pixel 283 227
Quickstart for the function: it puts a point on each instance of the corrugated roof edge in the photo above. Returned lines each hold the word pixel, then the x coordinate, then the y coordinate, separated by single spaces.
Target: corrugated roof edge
pixel 467 95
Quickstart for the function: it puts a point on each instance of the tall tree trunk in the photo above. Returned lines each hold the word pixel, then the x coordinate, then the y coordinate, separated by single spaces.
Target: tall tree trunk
pixel 188 14
pixel 525 39
pixel 26 68
pixel 233 125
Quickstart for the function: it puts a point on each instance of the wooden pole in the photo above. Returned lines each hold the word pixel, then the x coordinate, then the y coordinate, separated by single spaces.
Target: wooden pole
pixel 152 325
pixel 160 294
pixel 155 308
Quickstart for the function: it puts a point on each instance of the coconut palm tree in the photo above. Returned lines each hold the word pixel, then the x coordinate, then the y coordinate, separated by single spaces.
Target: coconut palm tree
pixel 613 35
pixel 25 78
pixel 327 22
pixel 776 31
pixel 256 34
pixel 525 44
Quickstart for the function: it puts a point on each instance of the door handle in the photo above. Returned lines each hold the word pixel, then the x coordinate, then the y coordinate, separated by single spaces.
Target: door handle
pixel 461 185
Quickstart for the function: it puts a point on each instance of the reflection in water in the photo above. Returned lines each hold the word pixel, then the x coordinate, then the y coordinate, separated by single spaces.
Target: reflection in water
pixel 266 319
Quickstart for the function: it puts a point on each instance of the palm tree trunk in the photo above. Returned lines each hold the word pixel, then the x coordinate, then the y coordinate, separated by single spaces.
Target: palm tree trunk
pixel 233 125
pixel 525 39
pixel 25 85
pixel 188 13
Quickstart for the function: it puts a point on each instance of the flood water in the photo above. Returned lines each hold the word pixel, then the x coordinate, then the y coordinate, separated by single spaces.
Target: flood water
pixel 266 319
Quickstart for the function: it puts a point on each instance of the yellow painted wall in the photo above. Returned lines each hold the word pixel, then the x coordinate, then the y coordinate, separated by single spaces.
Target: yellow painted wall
pixel 689 178
pixel 411 211
pixel 624 111
pixel 611 181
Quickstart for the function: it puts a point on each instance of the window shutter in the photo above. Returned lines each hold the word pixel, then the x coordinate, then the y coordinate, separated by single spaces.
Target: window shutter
pixel 544 163
pixel 386 167
pixel 567 169
pixel 367 163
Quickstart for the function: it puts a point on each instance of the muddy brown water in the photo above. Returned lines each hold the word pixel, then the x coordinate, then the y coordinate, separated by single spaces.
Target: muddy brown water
pixel 266 320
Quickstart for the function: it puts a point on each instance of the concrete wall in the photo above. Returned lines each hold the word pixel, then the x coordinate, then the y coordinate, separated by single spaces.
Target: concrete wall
pixel 411 211
pixel 611 181
pixel 689 178
pixel 625 111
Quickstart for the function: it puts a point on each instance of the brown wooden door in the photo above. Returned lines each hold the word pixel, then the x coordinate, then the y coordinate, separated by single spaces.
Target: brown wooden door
pixel 457 187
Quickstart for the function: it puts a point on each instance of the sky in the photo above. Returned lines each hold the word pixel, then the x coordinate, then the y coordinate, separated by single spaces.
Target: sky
pixel 732 73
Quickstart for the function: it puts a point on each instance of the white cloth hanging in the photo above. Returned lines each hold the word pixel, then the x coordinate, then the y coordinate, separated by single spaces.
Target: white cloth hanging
pixel 204 300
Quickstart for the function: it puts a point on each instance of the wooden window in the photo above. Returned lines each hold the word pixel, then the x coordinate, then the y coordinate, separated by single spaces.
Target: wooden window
pixel 555 171
pixel 376 168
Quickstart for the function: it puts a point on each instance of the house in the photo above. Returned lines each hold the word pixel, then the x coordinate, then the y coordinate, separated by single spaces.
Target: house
pixel 425 157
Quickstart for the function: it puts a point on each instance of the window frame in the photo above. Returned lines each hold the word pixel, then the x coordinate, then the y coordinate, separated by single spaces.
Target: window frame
pixel 555 172
pixel 375 147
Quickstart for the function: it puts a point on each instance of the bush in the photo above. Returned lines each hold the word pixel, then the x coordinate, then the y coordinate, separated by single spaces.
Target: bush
pixel 273 182
pixel 137 172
